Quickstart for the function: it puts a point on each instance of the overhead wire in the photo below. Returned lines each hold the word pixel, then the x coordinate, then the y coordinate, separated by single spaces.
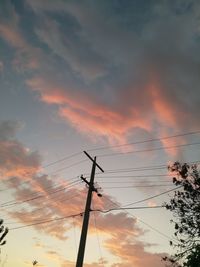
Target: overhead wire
pixel 136 217
pixel 62 159
pixel 132 176
pixel 71 216
pixel 98 239
pixel 152 197
pixel 147 150
pixel 145 141
pixel 32 180
pixel 44 204
pixel 108 147
pixel 149 198
pixel 136 186
pixel 139 169
pixel 67 167
pixel 47 221
pixel 43 188
pixel 129 208
pixel 120 145
pixel 35 220
pixel 139 181
pixel 9 203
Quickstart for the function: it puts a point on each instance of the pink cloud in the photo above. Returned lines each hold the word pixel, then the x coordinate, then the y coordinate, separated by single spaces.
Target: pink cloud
pixel 96 119
pixel 133 253
pixel 88 115
pixel 12 36
pixel 15 159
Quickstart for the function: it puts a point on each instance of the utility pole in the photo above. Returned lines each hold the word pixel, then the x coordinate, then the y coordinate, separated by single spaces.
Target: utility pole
pixel 81 250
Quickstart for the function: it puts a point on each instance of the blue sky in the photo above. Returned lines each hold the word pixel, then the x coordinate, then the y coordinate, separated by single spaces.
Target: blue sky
pixel 82 75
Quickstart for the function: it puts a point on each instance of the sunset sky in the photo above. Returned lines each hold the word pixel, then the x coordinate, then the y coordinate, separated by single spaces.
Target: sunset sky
pixel 119 79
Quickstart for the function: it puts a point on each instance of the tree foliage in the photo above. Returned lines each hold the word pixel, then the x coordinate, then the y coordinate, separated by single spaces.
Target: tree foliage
pixel 3 233
pixel 193 259
pixel 185 206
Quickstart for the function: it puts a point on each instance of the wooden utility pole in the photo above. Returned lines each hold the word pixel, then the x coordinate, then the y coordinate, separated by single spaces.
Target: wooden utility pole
pixel 81 251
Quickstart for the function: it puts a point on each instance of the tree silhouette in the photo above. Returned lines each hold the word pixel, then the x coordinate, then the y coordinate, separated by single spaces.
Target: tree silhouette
pixel 34 262
pixel 185 206
pixel 3 233
pixel 193 260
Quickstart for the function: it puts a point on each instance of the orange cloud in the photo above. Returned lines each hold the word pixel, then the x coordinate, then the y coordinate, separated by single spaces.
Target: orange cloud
pixel 16 160
pixel 87 114
pixel 98 120
pixel 133 254
pixel 163 108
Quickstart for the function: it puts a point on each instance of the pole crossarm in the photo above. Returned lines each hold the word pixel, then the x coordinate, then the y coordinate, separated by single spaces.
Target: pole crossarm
pixel 94 189
pixel 94 161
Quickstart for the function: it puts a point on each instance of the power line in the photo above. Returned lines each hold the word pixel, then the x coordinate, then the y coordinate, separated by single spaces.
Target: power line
pixel 141 168
pixel 130 169
pixel 137 181
pixel 133 176
pixel 120 145
pixel 136 186
pixel 67 167
pixel 33 180
pixel 7 204
pixel 145 141
pixel 56 171
pixel 45 189
pixel 130 208
pixel 62 159
pixel 45 204
pixel 147 150
pixel 47 221
pixel 136 217
pixel 154 196
pixel 72 216
pixel 98 239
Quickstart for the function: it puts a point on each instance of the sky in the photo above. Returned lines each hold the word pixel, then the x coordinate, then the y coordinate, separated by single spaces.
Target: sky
pixel 118 79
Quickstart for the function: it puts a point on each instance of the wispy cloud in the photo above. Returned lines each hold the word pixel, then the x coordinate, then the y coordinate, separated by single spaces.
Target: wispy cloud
pixel 112 77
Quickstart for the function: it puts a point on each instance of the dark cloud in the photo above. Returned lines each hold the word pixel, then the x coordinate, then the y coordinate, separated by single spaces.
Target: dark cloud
pixel 133 63
pixel 125 58
pixel 8 129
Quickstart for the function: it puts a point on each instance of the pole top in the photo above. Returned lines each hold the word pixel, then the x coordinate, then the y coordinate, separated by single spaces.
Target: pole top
pixel 93 160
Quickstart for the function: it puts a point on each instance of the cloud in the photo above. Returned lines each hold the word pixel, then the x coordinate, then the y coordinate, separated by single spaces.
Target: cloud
pixel 111 78
pixel 111 69
pixel 1 66
pixel 19 168
pixel 9 25
pixel 87 114
pixel 140 81
pixel 26 56
pixel 73 49
pixel 15 159
pixel 133 254
pixel 37 196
